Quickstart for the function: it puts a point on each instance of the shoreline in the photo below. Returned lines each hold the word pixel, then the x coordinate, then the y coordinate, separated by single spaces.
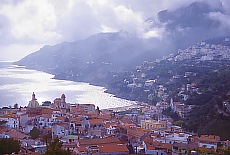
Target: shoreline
pixel 127 103
pixel 128 107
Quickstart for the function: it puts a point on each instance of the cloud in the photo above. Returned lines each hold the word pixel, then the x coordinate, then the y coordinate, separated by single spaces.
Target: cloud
pixel 43 22
pixel 222 18
pixel 91 17
pixel 30 21
pixel 68 20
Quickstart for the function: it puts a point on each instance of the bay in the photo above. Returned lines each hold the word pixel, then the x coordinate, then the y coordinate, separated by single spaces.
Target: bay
pixel 18 83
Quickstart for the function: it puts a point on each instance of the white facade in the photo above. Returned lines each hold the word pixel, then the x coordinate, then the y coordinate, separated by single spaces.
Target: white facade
pixel 174 138
pixel 59 131
pixel 27 129
pixel 12 123
pixel 207 145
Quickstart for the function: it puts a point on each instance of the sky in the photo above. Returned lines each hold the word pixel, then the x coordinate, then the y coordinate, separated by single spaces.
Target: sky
pixel 28 25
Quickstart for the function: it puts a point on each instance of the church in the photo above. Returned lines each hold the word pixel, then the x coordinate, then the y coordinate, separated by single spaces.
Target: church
pixel 60 104
pixel 33 103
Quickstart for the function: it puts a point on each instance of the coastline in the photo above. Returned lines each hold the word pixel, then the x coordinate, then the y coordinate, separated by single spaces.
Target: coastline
pixel 107 101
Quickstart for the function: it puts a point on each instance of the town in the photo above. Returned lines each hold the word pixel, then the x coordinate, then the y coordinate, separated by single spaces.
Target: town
pixel 84 129
pixel 143 128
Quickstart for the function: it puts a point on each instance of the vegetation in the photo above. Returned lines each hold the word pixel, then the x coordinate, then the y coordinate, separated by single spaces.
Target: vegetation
pixel 211 116
pixel 47 138
pixel 34 133
pixel 8 146
pixel 54 148
pixel 173 115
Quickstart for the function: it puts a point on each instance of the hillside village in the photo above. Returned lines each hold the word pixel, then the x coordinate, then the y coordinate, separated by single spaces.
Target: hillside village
pixel 84 129
pixel 180 70
pixel 144 128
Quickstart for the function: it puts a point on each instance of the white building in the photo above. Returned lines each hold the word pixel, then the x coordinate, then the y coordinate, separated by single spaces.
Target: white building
pixel 12 121
pixel 208 141
pixel 88 108
pixel 59 130
pixel 174 138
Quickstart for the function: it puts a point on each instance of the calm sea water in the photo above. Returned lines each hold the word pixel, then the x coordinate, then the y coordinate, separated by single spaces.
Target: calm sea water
pixel 17 85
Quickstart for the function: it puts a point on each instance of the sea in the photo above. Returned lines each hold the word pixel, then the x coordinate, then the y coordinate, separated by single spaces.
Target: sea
pixel 18 83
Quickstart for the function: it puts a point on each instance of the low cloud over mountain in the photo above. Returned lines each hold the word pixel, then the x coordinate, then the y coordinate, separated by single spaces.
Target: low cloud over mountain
pixel 100 54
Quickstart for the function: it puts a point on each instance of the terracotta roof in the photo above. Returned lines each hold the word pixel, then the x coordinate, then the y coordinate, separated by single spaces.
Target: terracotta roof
pixel 186 146
pixel 161 145
pixel 98 141
pixel 3 130
pixel 69 145
pixel 209 138
pixel 150 147
pixel 207 150
pixel 104 117
pixel 62 124
pixel 46 111
pixel 195 139
pixel 148 139
pixel 107 125
pixel 110 148
pixel 60 118
pixel 166 146
pixel 125 120
pixel 129 124
pixel 9 116
pixel 75 120
pixel 16 135
pixel 138 132
pixel 96 121
pixel 81 148
pixel 46 115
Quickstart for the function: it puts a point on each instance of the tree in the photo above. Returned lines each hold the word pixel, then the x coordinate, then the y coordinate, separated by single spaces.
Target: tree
pixel 227 151
pixel 54 148
pixel 34 133
pixel 47 138
pixel 9 145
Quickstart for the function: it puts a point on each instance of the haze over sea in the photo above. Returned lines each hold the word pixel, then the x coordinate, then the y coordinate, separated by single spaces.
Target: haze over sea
pixel 17 85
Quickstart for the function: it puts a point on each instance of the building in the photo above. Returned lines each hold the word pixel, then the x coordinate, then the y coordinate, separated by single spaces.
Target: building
pixel 208 141
pixel 11 121
pixel 59 130
pixel 174 138
pixel 33 103
pixel 88 108
pixel 153 124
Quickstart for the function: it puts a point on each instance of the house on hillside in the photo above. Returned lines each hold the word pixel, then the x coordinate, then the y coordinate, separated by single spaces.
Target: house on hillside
pixel 12 121
pixel 209 141
pixel 60 130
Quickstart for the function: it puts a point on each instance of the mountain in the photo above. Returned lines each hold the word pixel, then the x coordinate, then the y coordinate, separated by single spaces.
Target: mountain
pixel 90 59
pixel 197 76
pixel 124 63
pixel 193 23
pixel 193 16
pixel 95 58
